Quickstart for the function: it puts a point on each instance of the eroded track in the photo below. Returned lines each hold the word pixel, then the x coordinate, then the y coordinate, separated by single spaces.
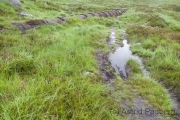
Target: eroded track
pixel 23 26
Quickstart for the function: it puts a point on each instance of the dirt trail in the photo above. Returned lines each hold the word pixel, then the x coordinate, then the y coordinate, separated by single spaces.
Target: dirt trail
pixel 140 110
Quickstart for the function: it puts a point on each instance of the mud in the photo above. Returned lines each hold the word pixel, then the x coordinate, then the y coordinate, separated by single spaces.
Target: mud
pixel 105 68
pixel 116 61
pixel 23 26
pixel 140 110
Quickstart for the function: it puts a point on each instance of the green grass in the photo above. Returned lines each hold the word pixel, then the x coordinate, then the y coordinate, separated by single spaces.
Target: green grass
pixel 134 66
pixel 159 50
pixel 157 95
pixel 41 72
pixel 170 19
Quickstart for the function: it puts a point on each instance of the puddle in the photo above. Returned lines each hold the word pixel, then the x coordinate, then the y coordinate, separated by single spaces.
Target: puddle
pixel 121 55
pixel 118 59
pixel 112 37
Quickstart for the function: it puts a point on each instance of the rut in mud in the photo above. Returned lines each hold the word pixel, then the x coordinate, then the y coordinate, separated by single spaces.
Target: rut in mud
pixel 23 26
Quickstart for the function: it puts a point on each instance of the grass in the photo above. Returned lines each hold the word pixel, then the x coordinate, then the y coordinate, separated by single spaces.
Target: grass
pixel 159 50
pixel 134 66
pixel 41 72
pixel 157 96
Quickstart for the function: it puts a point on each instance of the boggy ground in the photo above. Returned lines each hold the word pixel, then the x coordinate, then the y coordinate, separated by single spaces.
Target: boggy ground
pixel 158 38
pixel 135 106
pixel 42 72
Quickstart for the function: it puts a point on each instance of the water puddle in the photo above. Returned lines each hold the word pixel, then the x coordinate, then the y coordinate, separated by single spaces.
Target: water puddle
pixel 118 59
pixel 112 40
pixel 121 55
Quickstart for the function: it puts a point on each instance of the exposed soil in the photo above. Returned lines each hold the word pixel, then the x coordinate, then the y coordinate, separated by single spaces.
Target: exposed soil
pixel 112 63
pixel 105 67
pixel 107 73
pixel 139 110
pixel 23 26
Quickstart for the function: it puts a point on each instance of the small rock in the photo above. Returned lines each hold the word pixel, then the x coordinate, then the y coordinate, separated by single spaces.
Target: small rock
pixel 15 3
pixel 24 14
pixel 87 73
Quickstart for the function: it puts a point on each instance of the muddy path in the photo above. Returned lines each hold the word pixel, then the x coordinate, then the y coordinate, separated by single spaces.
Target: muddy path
pixel 115 63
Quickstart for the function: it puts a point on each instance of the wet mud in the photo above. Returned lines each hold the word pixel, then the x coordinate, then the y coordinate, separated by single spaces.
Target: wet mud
pixel 140 110
pixel 105 68
pixel 115 62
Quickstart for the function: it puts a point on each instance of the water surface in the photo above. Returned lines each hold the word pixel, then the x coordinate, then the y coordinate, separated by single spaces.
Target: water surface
pixel 121 55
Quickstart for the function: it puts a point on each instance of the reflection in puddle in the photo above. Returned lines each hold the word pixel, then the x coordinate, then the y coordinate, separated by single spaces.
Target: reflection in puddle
pixel 119 58
pixel 121 55
pixel 112 37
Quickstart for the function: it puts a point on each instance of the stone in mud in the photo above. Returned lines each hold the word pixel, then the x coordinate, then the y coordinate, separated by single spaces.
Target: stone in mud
pixel 102 14
pixel 87 73
pixel 119 12
pixel 97 14
pixel 111 14
pixel 20 27
pixel 24 14
pixel 116 13
pixel 15 3
pixel 89 15
pixel 55 20
pixel 82 16
pixel 63 18
pixel 108 15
